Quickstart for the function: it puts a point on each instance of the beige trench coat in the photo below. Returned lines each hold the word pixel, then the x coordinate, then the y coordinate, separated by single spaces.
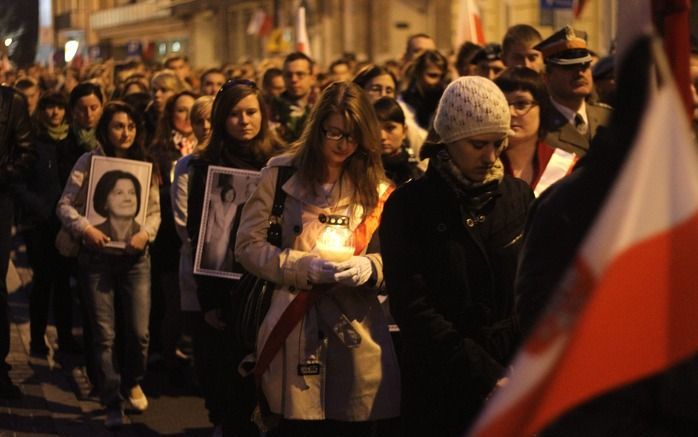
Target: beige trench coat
pixel 345 331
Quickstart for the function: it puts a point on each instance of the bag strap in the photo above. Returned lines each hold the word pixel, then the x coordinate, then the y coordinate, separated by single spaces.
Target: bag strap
pixel 277 208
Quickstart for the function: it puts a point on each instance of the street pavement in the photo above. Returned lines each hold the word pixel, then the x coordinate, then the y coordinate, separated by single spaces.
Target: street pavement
pixel 57 399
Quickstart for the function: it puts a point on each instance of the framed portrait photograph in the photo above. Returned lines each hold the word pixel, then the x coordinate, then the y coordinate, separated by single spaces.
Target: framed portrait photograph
pixel 227 189
pixel 117 197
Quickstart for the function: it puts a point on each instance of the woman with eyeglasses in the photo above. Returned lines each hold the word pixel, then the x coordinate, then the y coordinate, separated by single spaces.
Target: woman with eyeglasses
pixel 528 157
pixel 325 361
pixel 240 138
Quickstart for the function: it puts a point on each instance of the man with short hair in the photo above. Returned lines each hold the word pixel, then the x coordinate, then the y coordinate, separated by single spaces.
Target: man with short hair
pixel 17 155
pixel 573 122
pixel 339 71
pixel 290 110
pixel 180 65
pixel 416 45
pixel 488 61
pixel 211 81
pixel 273 84
pixel 518 47
pixel 30 89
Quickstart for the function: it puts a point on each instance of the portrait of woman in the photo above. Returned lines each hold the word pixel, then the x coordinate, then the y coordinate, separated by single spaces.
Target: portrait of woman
pixel 218 254
pixel 117 197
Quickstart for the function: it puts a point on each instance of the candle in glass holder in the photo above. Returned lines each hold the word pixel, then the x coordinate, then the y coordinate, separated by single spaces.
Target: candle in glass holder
pixel 336 241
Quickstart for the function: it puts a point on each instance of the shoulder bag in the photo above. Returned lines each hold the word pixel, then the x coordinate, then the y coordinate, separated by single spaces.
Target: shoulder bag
pixel 252 295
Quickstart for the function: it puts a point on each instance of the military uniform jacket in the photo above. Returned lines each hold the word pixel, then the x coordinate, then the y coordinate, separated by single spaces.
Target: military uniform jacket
pixel 566 137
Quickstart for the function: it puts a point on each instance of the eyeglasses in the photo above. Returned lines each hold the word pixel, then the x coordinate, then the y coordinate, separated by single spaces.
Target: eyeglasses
pixel 337 135
pixel 522 107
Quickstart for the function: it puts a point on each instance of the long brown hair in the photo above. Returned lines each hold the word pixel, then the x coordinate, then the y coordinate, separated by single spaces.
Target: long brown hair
pixel 261 147
pixel 364 167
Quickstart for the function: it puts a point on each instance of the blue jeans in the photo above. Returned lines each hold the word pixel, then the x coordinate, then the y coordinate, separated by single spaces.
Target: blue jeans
pixel 117 283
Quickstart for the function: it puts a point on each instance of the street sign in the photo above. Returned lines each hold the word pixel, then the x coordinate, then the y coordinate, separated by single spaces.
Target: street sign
pixel 556 4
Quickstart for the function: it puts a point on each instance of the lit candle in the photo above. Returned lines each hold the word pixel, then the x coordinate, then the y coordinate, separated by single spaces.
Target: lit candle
pixel 335 243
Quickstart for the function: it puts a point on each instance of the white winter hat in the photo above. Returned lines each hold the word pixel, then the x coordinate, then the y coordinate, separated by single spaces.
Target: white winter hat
pixel 470 106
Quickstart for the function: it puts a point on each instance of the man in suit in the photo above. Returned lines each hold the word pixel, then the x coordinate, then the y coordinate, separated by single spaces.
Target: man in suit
pixel 573 122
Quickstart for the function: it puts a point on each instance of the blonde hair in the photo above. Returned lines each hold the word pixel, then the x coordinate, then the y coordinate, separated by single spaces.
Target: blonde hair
pixel 167 79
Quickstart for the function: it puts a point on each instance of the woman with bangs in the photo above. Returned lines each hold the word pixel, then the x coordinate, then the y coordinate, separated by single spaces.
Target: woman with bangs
pixel 333 369
pixel 528 157
pixel 241 139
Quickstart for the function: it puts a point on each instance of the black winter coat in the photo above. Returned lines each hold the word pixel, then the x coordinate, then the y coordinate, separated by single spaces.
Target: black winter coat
pixel 451 293
pixel 17 152
pixel 37 198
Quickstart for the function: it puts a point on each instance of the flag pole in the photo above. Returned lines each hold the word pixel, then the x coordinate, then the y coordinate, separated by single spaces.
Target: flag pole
pixel 672 19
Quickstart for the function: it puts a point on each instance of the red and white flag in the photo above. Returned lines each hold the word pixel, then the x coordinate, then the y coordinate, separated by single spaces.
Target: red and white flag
pixel 302 40
pixel 631 292
pixel 469 24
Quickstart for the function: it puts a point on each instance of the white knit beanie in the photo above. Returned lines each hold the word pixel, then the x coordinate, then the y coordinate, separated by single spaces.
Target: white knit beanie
pixel 470 106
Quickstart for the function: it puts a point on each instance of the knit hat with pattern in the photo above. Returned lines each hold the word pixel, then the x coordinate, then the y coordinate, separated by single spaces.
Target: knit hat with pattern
pixel 470 106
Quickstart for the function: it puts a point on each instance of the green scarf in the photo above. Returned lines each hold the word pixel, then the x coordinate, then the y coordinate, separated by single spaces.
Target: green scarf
pixel 58 133
pixel 87 138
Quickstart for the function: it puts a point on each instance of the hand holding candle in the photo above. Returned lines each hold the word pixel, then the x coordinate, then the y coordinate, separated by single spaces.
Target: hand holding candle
pixel 336 241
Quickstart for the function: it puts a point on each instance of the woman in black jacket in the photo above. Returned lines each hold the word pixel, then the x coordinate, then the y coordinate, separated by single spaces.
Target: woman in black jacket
pixel 450 241
pixel 241 139
pixel 37 202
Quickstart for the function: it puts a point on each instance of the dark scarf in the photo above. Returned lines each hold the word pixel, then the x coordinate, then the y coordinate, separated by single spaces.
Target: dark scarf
pixel 238 156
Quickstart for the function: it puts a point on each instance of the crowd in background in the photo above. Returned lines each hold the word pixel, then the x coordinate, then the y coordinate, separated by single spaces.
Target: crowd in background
pixel 470 137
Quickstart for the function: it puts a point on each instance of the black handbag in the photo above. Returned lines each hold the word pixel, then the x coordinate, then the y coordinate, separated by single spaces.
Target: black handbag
pixel 252 295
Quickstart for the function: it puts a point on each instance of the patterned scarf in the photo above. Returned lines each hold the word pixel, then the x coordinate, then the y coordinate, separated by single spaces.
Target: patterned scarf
pixel 473 196
pixel 87 138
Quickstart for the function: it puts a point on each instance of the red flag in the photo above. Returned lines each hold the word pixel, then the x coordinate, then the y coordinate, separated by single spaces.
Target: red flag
pixel 469 27
pixel 626 309
pixel 578 7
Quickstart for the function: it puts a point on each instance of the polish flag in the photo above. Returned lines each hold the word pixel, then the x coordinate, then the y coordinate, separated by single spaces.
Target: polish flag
pixel 469 24
pixel 627 307
pixel 302 40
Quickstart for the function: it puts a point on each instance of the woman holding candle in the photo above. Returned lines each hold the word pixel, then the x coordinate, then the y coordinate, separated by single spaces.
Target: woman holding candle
pixel 334 371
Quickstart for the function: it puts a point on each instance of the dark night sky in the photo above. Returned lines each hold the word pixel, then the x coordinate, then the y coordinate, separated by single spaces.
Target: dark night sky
pixel 24 12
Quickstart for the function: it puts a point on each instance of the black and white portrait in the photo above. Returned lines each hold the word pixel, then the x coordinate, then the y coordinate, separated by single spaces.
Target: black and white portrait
pixel 117 197
pixel 226 192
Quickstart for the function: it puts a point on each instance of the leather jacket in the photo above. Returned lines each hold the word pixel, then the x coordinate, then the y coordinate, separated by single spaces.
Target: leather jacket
pixel 17 151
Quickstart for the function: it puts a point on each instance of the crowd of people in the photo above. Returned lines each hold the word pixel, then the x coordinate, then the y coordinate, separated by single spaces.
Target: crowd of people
pixel 431 161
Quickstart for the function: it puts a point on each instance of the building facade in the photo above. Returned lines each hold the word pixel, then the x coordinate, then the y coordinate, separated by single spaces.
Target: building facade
pixel 215 32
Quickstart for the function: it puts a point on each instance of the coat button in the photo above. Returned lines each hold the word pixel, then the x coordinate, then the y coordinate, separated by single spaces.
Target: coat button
pixel 297 229
pixel 441 227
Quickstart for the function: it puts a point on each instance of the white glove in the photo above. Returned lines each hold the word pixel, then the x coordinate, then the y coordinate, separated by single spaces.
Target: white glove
pixel 321 271
pixel 353 272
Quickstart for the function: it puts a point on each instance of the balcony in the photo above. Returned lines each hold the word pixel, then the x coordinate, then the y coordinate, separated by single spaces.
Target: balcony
pixel 138 12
